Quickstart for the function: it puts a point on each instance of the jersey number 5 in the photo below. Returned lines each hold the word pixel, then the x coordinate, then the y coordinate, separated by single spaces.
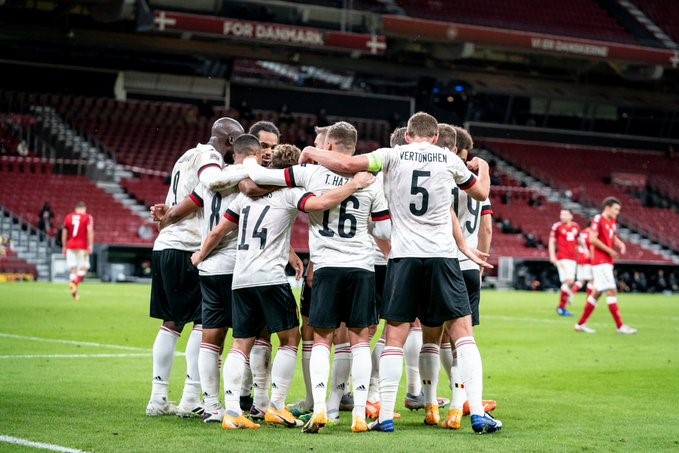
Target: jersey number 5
pixel 419 190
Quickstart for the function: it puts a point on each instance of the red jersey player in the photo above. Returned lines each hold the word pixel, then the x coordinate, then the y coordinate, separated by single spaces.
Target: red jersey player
pixel 584 260
pixel 563 245
pixel 605 240
pixel 77 238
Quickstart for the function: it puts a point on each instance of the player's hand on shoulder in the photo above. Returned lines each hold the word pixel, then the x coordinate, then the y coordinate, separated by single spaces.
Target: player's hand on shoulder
pixel 363 179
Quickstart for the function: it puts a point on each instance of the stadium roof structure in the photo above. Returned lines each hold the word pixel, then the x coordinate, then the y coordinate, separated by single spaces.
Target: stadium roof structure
pixel 204 39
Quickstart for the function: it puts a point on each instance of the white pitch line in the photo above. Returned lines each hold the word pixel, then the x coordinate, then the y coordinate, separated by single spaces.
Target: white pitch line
pixel 42 445
pixel 72 342
pixel 74 356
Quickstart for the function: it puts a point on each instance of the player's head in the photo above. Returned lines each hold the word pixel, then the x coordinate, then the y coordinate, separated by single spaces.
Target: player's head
pixel 268 135
pixel 342 138
pixel 80 207
pixel 447 137
pixel 321 134
pixel 463 142
pixel 565 215
pixel 224 132
pixel 398 137
pixel 284 156
pixel 246 145
pixel 611 207
pixel 422 127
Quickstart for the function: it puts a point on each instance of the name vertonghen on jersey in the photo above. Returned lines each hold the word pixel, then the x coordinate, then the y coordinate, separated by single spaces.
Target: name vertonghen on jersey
pixel 424 157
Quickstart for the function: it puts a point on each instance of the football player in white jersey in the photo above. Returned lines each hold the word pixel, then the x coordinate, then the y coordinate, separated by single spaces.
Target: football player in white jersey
pixel 268 135
pixel 475 219
pixel 215 272
pixel 258 369
pixel 344 280
pixel 424 276
pixel 261 292
pixel 175 290
pixel 306 405
pixel 382 248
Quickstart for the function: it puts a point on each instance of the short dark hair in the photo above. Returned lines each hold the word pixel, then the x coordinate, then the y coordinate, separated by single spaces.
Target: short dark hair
pixel 266 126
pixel 610 201
pixel 567 209
pixel 246 145
pixel 80 204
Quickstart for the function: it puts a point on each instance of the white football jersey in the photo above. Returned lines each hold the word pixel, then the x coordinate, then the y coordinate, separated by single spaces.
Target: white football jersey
pixel 222 260
pixel 185 234
pixel 469 212
pixel 339 236
pixel 418 179
pixel 264 229
pixel 380 259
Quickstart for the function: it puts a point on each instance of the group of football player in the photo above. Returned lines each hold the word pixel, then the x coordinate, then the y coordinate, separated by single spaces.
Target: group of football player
pixel 399 234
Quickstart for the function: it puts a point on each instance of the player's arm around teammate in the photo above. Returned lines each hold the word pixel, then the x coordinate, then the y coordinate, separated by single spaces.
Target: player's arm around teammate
pixel 370 162
pixel 308 203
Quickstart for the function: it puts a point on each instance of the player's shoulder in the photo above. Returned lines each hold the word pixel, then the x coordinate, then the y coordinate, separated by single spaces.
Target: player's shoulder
pixel 556 225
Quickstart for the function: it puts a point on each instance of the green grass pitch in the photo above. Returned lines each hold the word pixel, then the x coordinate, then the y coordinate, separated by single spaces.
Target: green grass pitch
pixel 78 375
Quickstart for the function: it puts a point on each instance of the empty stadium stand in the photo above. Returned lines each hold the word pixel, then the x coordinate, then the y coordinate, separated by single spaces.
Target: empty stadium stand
pixel 589 172
pixel 577 18
pixel 664 13
pixel 26 185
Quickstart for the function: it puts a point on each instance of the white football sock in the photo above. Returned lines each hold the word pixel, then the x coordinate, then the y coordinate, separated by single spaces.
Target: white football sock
pixel 246 385
pixel 306 359
pixel 446 353
pixel 459 394
pixel 411 354
pixel 360 373
pixel 191 394
pixel 260 364
pixel 208 364
pixel 374 391
pixel 471 373
pixel 340 375
pixel 391 370
pixel 234 366
pixel 319 370
pixel 282 372
pixel 430 366
pixel 163 358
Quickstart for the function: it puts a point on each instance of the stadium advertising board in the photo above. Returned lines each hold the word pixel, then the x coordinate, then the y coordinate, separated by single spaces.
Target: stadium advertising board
pixel 513 39
pixel 281 34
